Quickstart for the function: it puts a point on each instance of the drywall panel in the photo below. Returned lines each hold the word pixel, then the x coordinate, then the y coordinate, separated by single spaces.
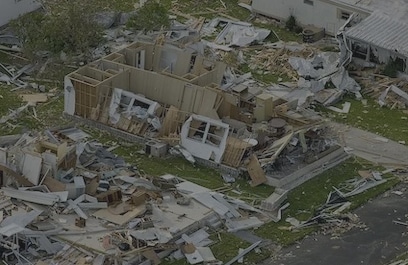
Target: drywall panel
pixel 162 89
pixel 3 156
pixel 32 168
pixel 198 100
pixel 130 57
pixel 211 77
pixel 187 101
pixel 198 66
pixel 69 96
pixel 149 57
pixel 108 65
pixel 121 80
pixel 182 66
pixel 50 159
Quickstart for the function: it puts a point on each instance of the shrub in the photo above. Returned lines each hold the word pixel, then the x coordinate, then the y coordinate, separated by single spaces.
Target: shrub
pixel 151 16
pixel 64 26
pixel 391 68
pixel 291 23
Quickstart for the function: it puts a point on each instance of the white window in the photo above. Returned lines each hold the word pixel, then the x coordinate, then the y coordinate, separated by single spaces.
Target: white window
pixel 308 2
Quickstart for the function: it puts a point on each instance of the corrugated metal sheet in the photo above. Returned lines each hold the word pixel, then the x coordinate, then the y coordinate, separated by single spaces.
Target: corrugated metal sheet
pixel 382 31
pixel 398 9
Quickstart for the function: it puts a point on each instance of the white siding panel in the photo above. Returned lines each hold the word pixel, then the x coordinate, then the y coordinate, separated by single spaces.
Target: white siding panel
pixel 320 14
pixel 11 9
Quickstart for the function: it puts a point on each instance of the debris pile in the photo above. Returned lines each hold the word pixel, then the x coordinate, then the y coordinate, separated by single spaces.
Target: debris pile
pixel 273 58
pixel 331 215
pixel 65 196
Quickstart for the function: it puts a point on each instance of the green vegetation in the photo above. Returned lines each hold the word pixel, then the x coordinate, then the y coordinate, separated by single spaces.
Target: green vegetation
pixel 226 247
pixel 46 115
pixel 118 5
pixel 305 199
pixel 56 33
pixel 63 27
pixel 390 123
pixel 9 100
pixel 151 16
pixel 178 166
pixel 292 25
pixel 206 8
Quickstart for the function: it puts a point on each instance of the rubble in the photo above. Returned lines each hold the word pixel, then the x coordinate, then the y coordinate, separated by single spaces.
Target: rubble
pixel 63 192
pixel 331 214
pixel 65 195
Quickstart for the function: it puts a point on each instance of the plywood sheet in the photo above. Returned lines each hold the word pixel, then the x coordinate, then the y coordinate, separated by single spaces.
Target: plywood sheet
pixel 256 172
pixel 53 184
pixel 35 98
pixel 234 151
pixel 105 214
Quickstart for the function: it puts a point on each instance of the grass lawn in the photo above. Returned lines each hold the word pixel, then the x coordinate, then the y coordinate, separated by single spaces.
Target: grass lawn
pixel 225 248
pixel 390 123
pixel 305 199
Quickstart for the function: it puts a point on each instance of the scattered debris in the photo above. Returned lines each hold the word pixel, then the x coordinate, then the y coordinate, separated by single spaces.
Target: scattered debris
pixel 60 181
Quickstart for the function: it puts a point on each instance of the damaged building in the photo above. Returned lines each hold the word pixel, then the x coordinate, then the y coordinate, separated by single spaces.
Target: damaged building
pixel 178 98
pixel 329 15
pixel 377 39
pixel 66 199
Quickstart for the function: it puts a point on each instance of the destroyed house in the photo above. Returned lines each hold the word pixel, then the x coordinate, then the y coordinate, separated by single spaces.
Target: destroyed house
pixel 161 74
pixel 67 199
pixel 180 98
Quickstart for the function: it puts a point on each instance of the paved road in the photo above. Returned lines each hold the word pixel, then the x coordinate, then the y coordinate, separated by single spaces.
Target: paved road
pixel 379 244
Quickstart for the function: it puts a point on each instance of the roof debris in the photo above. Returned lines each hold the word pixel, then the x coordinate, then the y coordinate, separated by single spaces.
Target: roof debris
pixel 65 196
